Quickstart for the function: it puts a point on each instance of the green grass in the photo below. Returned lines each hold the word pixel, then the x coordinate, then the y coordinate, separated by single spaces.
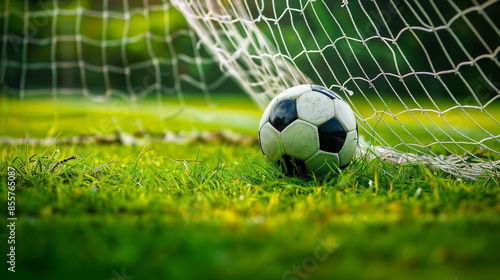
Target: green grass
pixel 41 116
pixel 221 211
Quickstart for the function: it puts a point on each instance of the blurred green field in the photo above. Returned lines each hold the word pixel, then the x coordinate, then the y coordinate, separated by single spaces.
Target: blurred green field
pixel 68 116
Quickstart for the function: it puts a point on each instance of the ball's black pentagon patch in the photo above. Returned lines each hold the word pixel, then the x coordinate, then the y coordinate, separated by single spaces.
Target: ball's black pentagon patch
pixel 332 136
pixel 283 113
pixel 292 166
pixel 344 166
pixel 328 92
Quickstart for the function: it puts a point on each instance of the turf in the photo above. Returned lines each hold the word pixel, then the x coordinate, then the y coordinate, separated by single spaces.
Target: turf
pixel 68 116
pixel 219 209
pixel 171 211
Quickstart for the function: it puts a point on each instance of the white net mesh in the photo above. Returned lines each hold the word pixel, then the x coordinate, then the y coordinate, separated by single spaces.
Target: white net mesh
pixel 90 48
pixel 422 76
pixel 105 50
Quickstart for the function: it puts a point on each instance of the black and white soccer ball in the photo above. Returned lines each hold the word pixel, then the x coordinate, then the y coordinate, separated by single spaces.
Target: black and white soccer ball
pixel 308 129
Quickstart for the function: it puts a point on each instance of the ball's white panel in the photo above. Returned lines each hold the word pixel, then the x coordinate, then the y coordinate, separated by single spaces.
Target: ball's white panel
pixel 300 140
pixel 267 111
pixel 315 107
pixel 347 152
pixel 345 115
pixel 322 162
pixel 269 139
pixel 293 92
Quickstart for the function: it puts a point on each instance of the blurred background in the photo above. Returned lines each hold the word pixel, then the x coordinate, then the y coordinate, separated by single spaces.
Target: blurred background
pixel 103 47
pixel 428 70
pixel 88 46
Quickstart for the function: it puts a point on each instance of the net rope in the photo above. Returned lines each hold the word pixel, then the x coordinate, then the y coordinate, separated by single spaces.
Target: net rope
pixel 39 56
pixel 398 64
pixel 421 76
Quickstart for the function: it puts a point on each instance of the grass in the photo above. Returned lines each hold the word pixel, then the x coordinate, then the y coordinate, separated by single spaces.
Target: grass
pixel 221 211
pixel 41 116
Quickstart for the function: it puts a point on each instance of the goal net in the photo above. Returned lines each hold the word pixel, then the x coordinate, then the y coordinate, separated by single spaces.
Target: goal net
pixel 421 76
pixel 114 56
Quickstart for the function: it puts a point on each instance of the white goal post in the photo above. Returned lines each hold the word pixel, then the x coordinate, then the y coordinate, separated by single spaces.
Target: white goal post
pixel 422 76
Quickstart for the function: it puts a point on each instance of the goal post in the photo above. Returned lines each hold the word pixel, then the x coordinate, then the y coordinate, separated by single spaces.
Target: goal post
pixel 421 76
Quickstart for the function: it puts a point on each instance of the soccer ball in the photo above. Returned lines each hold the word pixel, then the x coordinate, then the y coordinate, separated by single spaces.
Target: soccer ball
pixel 308 129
